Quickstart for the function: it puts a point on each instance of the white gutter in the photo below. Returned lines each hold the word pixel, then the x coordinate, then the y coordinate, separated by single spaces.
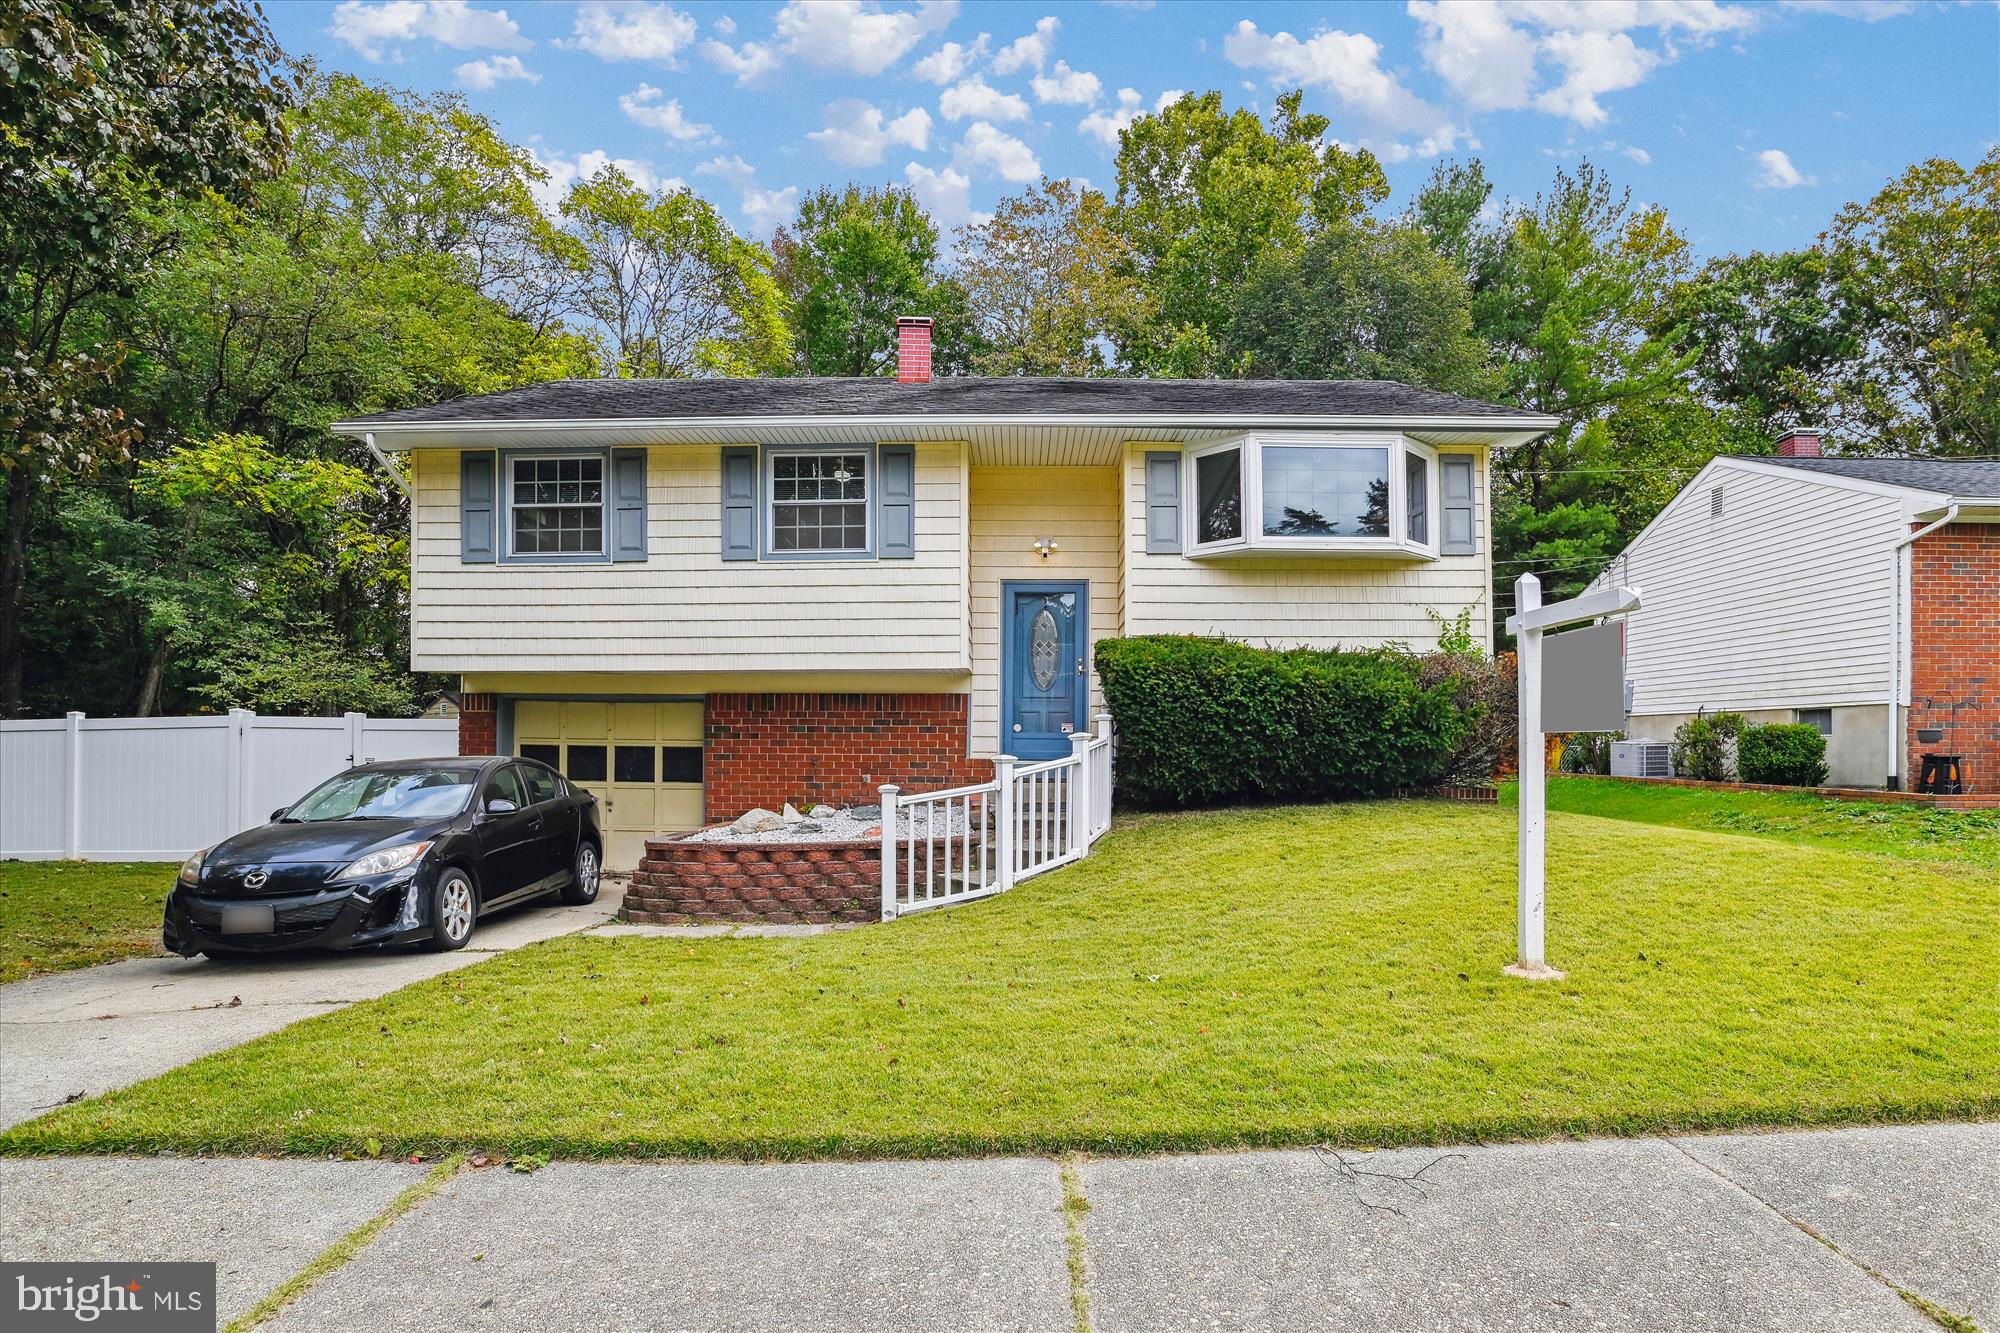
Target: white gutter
pixel 1896 683
pixel 368 438
pixel 931 420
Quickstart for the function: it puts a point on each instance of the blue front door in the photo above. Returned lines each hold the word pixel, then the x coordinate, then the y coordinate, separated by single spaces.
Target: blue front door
pixel 1043 688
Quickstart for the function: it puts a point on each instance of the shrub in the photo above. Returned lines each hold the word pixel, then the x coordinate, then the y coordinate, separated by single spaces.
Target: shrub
pixel 1705 747
pixel 1589 751
pixel 1790 754
pixel 1485 693
pixel 1208 721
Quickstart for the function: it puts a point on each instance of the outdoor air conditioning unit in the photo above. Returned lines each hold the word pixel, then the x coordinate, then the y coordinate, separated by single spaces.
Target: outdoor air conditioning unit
pixel 1642 759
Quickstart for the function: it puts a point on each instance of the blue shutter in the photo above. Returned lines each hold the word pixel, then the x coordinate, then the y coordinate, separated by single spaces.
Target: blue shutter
pixel 739 502
pixel 1163 503
pixel 896 502
pixel 1456 507
pixel 476 493
pixel 628 504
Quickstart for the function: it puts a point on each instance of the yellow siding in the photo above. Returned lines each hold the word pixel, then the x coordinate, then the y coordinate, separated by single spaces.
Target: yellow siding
pixel 685 609
pixel 1320 601
pixel 1011 507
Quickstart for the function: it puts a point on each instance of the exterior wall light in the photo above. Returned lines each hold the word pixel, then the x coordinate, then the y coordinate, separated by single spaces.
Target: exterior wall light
pixel 1046 546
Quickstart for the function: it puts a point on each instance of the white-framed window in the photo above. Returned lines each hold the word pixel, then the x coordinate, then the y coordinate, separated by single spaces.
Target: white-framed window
pixel 555 505
pixel 1819 719
pixel 819 502
pixel 1319 492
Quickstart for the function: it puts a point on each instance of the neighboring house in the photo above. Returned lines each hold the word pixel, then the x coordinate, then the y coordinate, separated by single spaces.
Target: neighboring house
pixel 699 596
pixel 444 706
pixel 1824 590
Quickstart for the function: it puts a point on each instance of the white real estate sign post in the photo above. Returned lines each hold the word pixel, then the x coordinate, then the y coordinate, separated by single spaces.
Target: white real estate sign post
pixel 1581 693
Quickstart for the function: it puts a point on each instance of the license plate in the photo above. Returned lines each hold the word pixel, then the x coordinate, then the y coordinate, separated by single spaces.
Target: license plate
pixel 252 919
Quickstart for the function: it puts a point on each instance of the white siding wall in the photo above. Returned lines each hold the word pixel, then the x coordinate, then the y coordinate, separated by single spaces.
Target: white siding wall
pixel 1011 507
pixel 1321 601
pixel 1781 601
pixel 685 608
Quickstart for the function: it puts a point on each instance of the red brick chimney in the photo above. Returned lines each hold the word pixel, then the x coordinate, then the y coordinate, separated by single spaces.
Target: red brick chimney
pixel 1799 443
pixel 913 349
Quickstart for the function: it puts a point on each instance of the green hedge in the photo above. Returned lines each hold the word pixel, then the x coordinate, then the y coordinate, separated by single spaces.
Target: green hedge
pixel 1208 721
pixel 1789 753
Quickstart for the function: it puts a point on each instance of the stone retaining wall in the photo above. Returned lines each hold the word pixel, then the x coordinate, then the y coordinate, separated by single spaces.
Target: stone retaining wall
pixel 707 883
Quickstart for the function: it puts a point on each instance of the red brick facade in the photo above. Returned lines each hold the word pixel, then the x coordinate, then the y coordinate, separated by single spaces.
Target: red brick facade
pixel 1955 649
pixel 766 749
pixel 478 731
pixel 702 883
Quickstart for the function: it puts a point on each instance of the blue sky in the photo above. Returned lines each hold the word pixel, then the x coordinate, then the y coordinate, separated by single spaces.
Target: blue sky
pixel 1751 123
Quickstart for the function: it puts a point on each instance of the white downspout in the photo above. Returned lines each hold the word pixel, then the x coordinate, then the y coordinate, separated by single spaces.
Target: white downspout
pixel 387 466
pixel 1896 641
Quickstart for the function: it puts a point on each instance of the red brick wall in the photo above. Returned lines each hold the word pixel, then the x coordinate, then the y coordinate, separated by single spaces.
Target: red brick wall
pixel 1955 649
pixel 478 732
pixel 692 883
pixel 766 749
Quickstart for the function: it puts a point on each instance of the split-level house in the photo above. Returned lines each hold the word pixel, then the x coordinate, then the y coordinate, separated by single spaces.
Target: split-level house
pixel 1859 595
pixel 699 596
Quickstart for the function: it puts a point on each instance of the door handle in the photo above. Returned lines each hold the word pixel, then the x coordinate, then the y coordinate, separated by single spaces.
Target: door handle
pixel 1017 726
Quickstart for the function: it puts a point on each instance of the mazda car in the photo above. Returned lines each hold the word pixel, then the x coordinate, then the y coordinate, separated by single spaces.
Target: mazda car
pixel 405 853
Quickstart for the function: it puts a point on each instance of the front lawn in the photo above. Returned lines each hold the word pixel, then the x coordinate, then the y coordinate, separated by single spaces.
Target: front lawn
pixel 1918 832
pixel 58 915
pixel 1278 976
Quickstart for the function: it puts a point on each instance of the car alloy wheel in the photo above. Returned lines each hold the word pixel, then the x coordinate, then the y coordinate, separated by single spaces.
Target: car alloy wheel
pixel 586 871
pixel 454 916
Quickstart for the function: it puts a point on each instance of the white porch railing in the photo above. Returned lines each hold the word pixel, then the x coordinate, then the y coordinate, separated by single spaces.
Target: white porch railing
pixel 940 848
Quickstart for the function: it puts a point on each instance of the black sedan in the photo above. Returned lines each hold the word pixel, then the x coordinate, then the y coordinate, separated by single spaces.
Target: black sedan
pixel 412 852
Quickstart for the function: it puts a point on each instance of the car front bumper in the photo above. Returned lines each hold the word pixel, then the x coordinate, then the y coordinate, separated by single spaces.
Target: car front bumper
pixel 340 916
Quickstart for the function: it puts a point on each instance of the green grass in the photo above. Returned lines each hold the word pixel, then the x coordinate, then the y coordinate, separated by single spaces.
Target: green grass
pixel 1911 831
pixel 58 915
pixel 1280 976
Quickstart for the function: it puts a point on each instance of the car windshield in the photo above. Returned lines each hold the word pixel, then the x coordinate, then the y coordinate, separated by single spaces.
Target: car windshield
pixel 409 793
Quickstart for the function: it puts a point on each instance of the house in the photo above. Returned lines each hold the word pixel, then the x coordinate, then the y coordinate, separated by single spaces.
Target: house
pixel 1860 595
pixel 700 596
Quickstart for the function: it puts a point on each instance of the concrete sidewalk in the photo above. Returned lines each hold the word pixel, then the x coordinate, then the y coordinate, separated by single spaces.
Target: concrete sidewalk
pixel 1789 1231
pixel 100 1028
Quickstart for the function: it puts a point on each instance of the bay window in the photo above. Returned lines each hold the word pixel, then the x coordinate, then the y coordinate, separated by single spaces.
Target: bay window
pixel 1321 492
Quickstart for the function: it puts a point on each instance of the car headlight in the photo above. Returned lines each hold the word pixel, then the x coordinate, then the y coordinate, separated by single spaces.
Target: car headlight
pixel 190 873
pixel 387 861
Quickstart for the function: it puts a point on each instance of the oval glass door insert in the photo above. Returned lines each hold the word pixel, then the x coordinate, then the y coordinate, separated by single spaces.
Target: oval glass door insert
pixel 1044 645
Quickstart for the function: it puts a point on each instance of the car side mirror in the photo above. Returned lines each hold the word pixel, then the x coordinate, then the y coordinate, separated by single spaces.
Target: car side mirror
pixel 279 813
pixel 500 805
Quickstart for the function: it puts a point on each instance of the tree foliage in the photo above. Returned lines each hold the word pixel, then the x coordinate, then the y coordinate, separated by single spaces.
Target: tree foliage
pixel 1049 281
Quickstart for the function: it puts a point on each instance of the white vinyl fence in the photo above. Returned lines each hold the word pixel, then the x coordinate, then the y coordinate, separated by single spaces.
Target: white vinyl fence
pixel 157 788
pixel 941 848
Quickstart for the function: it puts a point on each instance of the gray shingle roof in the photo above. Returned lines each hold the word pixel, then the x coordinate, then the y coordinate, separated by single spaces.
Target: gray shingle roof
pixel 612 400
pixel 1949 476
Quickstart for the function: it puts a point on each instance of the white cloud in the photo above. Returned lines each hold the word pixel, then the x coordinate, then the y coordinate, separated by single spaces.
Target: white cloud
pixel 946 194
pixel 1868 11
pixel 1592 63
pixel 1067 87
pixel 951 60
pixel 567 171
pixel 377 30
pixel 1483 58
pixel 632 30
pixel 1348 65
pixel 974 100
pixel 858 135
pixel 1029 52
pixel 748 62
pixel 642 106
pixel 1168 98
pixel 724 24
pixel 1637 154
pixel 857 35
pixel 483 74
pixel 997 152
pixel 1778 173
pixel 1105 124
pixel 765 210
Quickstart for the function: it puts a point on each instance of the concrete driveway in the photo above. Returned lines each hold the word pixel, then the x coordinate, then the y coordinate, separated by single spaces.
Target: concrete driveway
pixel 86 1032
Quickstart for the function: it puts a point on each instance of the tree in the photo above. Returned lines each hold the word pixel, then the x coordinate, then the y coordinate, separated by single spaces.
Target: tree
pixel 1206 197
pixel 106 110
pixel 676 292
pixel 1360 301
pixel 855 260
pixel 1448 212
pixel 1049 282
pixel 1914 269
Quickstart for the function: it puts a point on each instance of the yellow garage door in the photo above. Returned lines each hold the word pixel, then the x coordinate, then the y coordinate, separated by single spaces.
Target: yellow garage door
pixel 641 760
